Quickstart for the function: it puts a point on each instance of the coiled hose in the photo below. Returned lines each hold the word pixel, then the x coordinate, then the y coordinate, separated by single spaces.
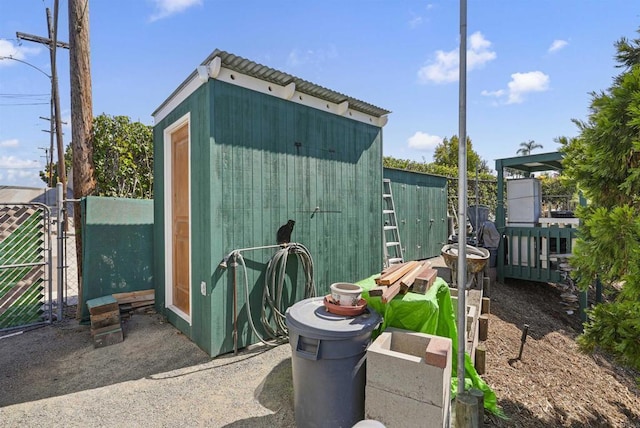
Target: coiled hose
pixel 273 291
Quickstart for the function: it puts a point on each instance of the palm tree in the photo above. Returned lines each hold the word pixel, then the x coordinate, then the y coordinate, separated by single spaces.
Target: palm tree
pixel 527 146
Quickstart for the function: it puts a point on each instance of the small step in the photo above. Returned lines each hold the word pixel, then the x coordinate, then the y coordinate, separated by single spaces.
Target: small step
pixel 387 211
pixel 395 260
pixel 393 244
pixel 390 227
pixel 386 195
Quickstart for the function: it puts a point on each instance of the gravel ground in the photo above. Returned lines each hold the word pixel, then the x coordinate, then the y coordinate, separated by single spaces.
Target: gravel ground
pixel 52 376
pixel 127 384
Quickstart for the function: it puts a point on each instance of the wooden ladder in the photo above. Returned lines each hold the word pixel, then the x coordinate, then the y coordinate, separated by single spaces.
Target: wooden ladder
pixel 390 233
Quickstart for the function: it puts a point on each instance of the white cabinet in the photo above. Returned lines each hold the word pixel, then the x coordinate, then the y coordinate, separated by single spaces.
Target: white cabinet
pixel 524 200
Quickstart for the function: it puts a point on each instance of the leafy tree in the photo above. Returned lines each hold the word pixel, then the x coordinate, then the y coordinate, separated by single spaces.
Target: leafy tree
pixel 526 147
pixel 487 184
pixel 123 157
pixel 604 162
pixel 446 153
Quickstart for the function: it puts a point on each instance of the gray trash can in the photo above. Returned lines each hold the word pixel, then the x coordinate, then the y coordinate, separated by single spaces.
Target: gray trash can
pixel 327 359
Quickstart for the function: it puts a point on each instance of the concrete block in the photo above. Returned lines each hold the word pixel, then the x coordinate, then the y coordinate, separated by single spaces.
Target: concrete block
pixel 397 363
pixel 395 410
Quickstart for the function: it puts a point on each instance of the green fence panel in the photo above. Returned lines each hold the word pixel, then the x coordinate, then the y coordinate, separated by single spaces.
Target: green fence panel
pixel 117 247
pixel 22 261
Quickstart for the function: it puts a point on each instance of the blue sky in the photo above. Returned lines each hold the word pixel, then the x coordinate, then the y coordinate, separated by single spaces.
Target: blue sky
pixel 531 64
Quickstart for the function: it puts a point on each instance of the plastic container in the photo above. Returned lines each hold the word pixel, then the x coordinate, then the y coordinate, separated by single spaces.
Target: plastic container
pixel 328 363
pixel 345 293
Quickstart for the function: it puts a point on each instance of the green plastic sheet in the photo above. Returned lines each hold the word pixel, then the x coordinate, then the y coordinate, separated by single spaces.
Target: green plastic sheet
pixel 430 313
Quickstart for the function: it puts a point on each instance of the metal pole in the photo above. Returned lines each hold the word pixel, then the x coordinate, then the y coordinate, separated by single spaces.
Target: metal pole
pixel 49 264
pixel 477 228
pixel 462 197
pixel 60 239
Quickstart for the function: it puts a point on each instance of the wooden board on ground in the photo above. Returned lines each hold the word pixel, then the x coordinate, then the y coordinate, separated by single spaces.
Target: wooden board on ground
pixel 102 304
pixel 105 319
pixel 136 298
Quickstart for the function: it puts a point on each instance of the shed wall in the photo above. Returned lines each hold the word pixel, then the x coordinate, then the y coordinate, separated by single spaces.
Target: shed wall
pixel 421 208
pixel 256 162
pixel 197 104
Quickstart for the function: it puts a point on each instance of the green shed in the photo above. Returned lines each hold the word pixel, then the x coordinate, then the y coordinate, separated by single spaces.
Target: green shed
pixel 421 208
pixel 240 149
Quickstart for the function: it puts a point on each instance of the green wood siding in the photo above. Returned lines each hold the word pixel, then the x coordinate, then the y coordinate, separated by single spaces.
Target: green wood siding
pixel 257 161
pixel 274 160
pixel 200 330
pixel 421 209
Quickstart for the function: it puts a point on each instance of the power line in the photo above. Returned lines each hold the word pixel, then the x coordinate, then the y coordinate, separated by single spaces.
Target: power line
pixel 24 104
pixel 23 95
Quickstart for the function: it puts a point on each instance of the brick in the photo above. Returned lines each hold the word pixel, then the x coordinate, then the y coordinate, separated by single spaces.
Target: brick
pixel 438 352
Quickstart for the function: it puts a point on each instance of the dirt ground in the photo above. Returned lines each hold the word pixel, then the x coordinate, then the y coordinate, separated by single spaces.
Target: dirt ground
pixel 553 385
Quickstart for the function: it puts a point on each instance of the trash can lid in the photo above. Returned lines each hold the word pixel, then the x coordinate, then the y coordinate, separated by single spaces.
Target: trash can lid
pixel 311 318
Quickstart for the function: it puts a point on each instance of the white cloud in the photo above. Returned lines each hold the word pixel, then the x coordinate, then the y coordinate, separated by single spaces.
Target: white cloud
pixel 9 143
pixel 166 8
pixel 415 21
pixel 520 85
pixel 299 57
pixel 523 83
pixel 8 49
pixel 499 93
pixel 13 162
pixel 444 68
pixel 557 45
pixel 423 141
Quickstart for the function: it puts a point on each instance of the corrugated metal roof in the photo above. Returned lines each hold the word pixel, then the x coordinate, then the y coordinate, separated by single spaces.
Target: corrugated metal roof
pixel 259 71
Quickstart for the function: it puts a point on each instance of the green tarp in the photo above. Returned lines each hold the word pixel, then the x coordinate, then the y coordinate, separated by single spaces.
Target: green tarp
pixel 431 313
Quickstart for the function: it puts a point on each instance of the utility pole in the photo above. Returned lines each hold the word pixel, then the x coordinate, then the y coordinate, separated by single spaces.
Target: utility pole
pixel 84 182
pixel 47 162
pixel 53 43
pixel 51 131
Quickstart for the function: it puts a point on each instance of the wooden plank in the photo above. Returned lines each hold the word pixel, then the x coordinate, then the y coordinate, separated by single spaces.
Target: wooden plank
pixel 398 274
pixel 377 291
pixel 388 271
pixel 407 280
pixel 101 305
pixel 134 296
pixel 424 281
pixel 483 326
pixel 392 268
pixel 106 319
pixel 391 292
